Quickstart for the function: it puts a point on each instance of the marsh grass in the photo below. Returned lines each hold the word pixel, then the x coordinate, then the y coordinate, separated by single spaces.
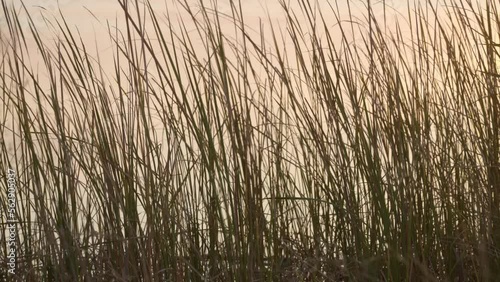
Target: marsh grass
pixel 330 158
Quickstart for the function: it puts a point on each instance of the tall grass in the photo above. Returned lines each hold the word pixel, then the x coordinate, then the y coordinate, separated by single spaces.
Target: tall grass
pixel 313 156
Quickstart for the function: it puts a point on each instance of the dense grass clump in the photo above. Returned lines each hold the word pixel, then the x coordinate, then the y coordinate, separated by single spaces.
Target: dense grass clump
pixel 219 151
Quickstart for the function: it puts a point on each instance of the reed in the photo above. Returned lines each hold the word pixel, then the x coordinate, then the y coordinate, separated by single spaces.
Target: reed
pixel 306 157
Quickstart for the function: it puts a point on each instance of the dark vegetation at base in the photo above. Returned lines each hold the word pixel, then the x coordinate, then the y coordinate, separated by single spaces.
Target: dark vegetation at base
pixel 367 160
